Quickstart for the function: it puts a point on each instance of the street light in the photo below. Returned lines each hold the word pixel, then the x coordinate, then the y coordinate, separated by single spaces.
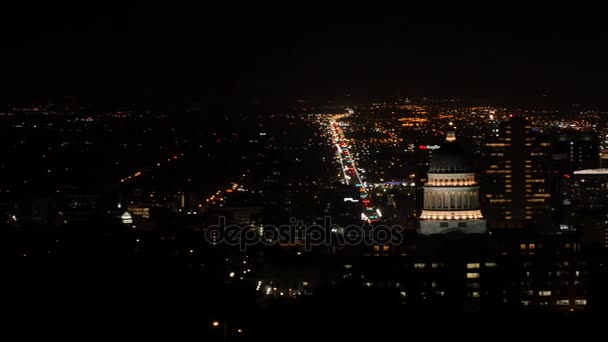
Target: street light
pixel 216 324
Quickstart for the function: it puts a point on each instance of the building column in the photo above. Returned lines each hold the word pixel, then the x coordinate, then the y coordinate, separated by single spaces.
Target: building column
pixel 437 201
pixel 463 200
pixel 451 197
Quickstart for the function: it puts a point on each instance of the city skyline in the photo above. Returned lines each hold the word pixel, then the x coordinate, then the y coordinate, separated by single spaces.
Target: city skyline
pixel 246 172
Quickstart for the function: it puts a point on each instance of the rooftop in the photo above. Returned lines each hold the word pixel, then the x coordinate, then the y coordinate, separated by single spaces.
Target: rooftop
pixel 592 172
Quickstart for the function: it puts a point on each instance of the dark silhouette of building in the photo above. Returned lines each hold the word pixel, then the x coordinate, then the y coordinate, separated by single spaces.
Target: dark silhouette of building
pixel 575 150
pixel 572 150
pixel 589 193
pixel 604 159
pixel 590 190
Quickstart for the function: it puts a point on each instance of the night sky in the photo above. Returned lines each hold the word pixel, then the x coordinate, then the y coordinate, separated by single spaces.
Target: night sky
pixel 232 53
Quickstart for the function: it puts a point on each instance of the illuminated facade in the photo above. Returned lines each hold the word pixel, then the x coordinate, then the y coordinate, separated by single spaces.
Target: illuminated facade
pixel 516 186
pixel 451 200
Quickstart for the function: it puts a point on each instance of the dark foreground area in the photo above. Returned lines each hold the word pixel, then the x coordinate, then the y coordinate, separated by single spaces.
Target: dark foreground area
pixel 171 299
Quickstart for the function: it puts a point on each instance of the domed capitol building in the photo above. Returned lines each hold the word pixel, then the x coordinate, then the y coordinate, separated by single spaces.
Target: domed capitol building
pixel 451 193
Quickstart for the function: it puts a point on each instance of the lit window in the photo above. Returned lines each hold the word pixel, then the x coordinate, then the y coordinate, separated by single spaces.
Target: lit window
pixel 419 265
pixel 532 246
pixel 473 285
pixel 435 265
pixel 376 248
pixel 522 246
pixel 474 294
pixel 490 264
pixel 544 293
pixel 473 275
pixel 402 293
pixel 580 302
pixel 563 302
pixel 385 248
pixel 472 265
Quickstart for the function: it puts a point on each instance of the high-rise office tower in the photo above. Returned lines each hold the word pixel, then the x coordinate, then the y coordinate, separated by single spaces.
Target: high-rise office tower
pixel 515 182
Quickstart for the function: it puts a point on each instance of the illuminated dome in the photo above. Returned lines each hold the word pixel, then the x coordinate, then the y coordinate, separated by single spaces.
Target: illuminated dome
pixel 451 158
pixel 451 193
